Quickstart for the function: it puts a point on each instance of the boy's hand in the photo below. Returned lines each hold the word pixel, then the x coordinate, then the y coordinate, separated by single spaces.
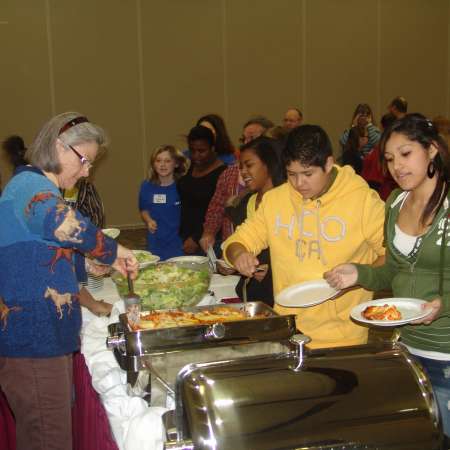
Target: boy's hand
pixel 246 264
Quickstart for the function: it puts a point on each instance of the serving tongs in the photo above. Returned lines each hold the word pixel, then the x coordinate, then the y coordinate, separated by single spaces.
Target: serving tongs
pixel 212 258
pixel 259 268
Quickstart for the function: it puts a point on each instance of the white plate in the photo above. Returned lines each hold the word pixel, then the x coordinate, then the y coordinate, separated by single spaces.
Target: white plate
pixel 111 232
pixel 190 259
pixel 224 264
pixel 150 258
pixel 410 308
pixel 305 294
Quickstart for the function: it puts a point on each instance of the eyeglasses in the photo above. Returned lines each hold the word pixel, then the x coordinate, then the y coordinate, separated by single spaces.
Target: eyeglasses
pixel 84 161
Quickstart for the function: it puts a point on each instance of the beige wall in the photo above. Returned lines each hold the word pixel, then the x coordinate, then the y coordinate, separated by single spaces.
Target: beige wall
pixel 146 69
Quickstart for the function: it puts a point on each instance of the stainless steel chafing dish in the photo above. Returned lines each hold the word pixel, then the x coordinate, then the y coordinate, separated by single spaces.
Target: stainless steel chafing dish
pixel 365 397
pixel 165 351
pixel 254 385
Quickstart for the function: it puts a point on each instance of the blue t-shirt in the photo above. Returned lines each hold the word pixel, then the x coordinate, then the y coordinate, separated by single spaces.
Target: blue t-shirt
pixel 164 206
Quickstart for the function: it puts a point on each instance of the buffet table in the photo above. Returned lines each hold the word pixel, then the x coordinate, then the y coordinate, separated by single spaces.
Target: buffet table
pixel 133 424
pixel 121 410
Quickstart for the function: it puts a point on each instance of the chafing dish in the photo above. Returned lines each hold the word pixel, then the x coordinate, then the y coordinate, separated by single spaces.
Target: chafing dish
pixel 254 385
pixel 362 397
pixel 165 351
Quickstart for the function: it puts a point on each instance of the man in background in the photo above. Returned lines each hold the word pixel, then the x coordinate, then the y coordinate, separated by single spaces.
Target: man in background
pixel 255 127
pixel 293 118
pixel 398 107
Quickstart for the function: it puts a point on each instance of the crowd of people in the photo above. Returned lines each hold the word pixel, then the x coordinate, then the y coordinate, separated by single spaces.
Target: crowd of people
pixel 279 209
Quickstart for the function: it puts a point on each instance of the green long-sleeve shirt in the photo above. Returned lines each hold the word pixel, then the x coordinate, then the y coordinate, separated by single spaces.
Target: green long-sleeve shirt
pixel 416 275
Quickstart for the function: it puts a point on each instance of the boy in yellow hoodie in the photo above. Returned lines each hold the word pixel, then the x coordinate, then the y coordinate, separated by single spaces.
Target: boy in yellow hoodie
pixel 322 216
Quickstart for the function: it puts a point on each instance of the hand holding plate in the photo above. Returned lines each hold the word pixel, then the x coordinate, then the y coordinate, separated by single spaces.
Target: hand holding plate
pixel 434 307
pixel 342 276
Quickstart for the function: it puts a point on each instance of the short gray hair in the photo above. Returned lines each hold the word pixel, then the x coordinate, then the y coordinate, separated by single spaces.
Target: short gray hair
pixel 42 152
pixel 259 120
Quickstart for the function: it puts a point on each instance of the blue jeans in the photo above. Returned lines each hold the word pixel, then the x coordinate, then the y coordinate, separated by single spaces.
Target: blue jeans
pixel 439 375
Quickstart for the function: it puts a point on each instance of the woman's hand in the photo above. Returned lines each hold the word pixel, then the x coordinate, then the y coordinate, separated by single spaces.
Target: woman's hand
pixel 190 246
pixel 355 120
pixel 435 307
pixel 126 262
pixel 224 270
pixel 206 241
pixel 342 276
pixel 101 308
pixel 246 263
pixel 97 307
pixel 96 269
pixel 152 226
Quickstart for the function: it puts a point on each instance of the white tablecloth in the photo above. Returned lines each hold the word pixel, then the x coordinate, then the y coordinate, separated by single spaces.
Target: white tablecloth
pixel 135 425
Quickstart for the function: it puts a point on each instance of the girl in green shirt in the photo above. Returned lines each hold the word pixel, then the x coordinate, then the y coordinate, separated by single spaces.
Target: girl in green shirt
pixel 417 237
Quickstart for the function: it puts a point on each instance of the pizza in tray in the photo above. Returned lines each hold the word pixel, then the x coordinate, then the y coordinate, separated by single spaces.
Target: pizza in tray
pixel 382 312
pixel 168 319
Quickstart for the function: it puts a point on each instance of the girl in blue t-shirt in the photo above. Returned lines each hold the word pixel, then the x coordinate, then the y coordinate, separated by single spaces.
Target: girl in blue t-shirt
pixel 160 204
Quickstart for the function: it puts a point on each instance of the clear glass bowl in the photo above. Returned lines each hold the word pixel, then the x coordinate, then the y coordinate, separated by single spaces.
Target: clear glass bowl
pixel 168 285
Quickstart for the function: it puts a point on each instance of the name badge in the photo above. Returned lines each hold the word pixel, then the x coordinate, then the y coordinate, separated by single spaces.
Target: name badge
pixel 159 198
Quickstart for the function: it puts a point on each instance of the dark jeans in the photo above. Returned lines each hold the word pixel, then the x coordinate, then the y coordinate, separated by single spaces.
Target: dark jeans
pixel 39 392
pixel 439 374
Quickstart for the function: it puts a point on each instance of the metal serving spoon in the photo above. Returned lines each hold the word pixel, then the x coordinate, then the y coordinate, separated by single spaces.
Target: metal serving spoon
pixel 132 302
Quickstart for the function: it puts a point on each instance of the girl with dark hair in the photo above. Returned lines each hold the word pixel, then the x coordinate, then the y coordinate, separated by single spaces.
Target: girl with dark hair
pixel 417 236
pixel 197 187
pixel 261 170
pixel 363 118
pixel 224 148
pixel 353 155
pixel 377 176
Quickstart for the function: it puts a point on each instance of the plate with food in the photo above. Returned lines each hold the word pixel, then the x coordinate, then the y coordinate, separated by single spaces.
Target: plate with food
pixel 309 293
pixel 111 232
pixel 145 258
pixel 389 312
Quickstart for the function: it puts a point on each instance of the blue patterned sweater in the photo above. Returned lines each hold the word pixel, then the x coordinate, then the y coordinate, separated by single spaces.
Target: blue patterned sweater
pixel 39 309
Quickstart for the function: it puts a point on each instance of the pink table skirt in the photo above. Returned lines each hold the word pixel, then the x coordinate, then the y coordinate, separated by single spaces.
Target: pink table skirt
pixel 7 426
pixel 90 426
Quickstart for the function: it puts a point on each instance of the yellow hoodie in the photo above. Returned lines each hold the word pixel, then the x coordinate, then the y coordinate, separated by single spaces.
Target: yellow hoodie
pixel 308 237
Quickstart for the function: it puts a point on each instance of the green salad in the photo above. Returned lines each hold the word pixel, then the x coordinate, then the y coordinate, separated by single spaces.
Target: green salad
pixel 167 285
pixel 145 257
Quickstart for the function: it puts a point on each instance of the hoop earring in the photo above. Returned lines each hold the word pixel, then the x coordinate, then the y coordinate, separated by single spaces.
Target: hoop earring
pixel 431 170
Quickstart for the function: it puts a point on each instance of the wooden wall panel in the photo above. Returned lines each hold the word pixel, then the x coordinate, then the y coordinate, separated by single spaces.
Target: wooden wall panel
pixel 263 59
pixel 24 74
pixel 146 70
pixel 341 62
pixel 414 56
pixel 183 69
pixel 95 58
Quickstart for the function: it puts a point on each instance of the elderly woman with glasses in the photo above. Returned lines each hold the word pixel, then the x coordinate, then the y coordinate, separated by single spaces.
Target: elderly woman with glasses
pixel 39 299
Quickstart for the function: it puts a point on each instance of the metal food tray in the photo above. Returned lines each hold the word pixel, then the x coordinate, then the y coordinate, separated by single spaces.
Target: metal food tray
pixel 271 327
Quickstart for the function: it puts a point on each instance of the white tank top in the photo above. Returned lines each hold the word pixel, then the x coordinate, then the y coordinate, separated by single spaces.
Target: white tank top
pixel 403 242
